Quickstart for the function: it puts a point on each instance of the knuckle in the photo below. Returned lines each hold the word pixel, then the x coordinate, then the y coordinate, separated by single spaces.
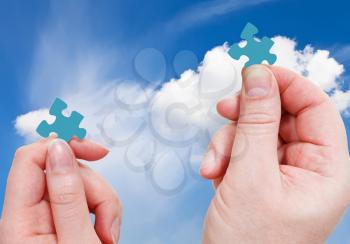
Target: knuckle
pixel 114 200
pixel 64 198
pixel 259 122
pixel 258 117
pixel 66 192
pixel 21 151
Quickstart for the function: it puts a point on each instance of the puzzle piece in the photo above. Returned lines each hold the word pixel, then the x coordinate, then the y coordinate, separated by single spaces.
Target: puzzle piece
pixel 64 127
pixel 256 51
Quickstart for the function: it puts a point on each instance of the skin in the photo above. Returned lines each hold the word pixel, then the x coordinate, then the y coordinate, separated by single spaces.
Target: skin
pixel 50 196
pixel 281 171
pixel 281 168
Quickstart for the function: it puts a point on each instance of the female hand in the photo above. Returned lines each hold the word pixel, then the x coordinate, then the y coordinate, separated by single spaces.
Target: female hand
pixel 50 195
pixel 280 177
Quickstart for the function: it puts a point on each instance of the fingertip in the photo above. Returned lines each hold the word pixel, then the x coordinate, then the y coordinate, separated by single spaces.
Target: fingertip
pixel 244 70
pixel 216 160
pixel 226 103
pixel 220 106
pixel 213 166
pixel 209 164
pixel 47 140
pixel 218 171
pixel 204 173
pixel 229 108
pixel 87 150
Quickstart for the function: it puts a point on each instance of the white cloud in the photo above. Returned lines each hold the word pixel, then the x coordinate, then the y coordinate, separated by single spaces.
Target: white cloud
pixel 324 70
pixel 342 100
pixel 157 136
pixel 26 124
pixel 316 65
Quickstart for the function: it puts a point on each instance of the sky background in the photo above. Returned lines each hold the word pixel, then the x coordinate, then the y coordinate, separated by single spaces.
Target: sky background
pixel 66 49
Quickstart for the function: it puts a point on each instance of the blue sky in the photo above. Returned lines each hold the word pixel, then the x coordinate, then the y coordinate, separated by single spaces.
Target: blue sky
pixel 123 28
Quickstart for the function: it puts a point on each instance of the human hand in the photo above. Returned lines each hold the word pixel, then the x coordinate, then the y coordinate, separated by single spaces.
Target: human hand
pixel 280 177
pixel 50 195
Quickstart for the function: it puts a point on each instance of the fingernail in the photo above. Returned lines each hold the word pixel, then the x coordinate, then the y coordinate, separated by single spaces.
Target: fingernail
pixel 115 230
pixel 258 82
pixel 60 156
pixel 209 163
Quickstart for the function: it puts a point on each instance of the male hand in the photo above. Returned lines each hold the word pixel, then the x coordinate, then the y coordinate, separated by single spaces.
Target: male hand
pixel 281 169
pixel 50 195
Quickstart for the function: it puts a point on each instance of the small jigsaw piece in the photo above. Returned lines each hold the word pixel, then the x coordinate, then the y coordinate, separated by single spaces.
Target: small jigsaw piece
pixel 65 127
pixel 257 51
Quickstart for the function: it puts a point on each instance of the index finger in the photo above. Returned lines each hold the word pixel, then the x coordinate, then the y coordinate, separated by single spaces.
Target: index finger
pixel 317 119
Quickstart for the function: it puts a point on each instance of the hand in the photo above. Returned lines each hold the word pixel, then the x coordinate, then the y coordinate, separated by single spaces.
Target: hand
pixel 50 195
pixel 280 177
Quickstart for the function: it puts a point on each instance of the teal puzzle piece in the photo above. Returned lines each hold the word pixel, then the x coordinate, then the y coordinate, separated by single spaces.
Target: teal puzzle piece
pixel 64 127
pixel 256 51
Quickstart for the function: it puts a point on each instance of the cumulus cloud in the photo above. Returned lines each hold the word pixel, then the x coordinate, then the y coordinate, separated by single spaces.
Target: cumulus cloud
pixel 158 135
pixel 26 124
pixel 316 65
pixel 183 103
pixel 342 100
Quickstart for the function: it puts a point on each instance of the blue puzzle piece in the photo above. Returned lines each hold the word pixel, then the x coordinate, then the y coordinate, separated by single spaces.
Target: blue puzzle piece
pixel 249 31
pixel 64 127
pixel 256 51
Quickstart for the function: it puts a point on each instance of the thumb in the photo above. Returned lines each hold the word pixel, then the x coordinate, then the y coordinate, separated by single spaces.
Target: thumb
pixel 254 154
pixel 67 197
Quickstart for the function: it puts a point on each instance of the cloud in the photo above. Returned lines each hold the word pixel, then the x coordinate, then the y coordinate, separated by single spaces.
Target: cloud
pixel 158 135
pixel 171 116
pixel 342 53
pixel 342 100
pixel 26 124
pixel 66 57
pixel 206 10
pixel 316 65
